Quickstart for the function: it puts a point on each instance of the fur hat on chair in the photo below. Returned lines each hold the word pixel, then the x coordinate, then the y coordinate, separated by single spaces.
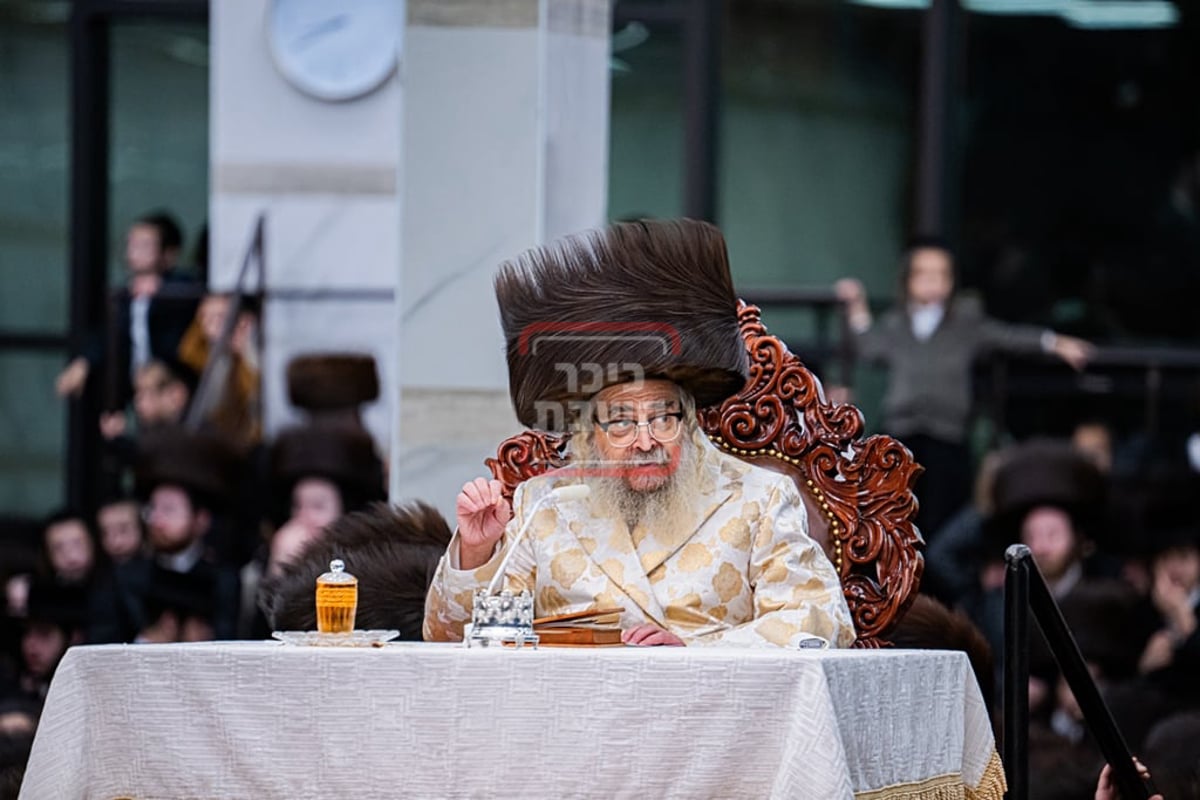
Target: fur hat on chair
pixel 332 381
pixel 393 551
pixel 648 299
pixel 204 464
pixel 338 453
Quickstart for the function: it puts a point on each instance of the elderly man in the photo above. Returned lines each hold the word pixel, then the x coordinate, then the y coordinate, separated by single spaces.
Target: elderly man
pixel 696 546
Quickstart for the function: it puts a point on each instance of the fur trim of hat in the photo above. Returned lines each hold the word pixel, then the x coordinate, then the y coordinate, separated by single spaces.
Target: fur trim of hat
pixel 392 550
pixel 205 464
pixel 648 299
pixel 332 381
pixel 339 453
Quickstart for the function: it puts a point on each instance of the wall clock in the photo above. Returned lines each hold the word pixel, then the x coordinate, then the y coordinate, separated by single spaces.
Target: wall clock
pixel 335 50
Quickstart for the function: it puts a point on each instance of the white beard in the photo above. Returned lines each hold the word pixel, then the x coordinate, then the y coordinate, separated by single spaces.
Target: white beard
pixel 654 509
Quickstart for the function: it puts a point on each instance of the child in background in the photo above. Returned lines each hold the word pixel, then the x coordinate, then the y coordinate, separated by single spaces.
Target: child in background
pixel 69 548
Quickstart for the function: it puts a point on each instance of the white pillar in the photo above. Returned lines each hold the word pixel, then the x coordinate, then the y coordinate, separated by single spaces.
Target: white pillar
pixel 325 174
pixel 506 146
pixel 390 212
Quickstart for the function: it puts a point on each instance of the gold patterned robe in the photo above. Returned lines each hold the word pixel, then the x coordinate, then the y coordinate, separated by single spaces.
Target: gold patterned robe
pixel 740 570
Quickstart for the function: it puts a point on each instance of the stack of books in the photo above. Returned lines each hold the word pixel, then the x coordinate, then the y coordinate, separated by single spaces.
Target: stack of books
pixel 594 627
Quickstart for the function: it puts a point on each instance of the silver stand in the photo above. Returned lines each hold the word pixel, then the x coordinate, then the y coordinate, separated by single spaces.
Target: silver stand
pixel 501 619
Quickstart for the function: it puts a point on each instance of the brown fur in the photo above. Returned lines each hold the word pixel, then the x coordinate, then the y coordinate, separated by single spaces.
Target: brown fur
pixel 665 275
pixel 205 464
pixel 393 551
pixel 332 381
pixel 338 453
pixel 1106 618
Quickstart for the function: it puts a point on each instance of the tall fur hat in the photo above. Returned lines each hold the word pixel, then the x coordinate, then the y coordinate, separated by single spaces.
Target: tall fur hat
pixel 337 452
pixel 205 464
pixel 648 299
pixel 393 551
pixel 332 381
pixel 1046 473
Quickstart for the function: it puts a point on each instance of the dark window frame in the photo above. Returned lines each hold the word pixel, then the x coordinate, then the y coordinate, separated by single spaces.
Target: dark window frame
pixel 90 33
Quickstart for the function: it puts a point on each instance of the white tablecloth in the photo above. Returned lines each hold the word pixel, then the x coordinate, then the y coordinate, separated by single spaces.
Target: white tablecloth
pixel 268 720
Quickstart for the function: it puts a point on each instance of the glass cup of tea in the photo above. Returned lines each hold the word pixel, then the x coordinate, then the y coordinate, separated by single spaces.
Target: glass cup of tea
pixel 337 599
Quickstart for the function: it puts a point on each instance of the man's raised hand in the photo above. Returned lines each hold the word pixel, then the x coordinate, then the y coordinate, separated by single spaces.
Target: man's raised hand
pixel 483 514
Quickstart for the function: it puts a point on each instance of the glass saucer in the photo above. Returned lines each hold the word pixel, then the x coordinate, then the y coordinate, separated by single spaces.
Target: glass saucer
pixel 352 639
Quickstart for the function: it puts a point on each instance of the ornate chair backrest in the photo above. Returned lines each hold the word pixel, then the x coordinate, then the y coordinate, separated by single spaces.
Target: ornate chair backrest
pixel 858 490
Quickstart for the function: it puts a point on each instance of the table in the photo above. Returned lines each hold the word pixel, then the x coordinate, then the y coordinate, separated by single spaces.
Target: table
pixel 269 720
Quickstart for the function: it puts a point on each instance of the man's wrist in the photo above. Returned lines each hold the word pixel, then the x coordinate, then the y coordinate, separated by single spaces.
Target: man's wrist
pixel 474 557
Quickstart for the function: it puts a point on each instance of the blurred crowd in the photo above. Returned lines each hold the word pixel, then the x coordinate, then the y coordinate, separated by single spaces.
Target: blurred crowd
pixel 208 531
pixel 201 517
pixel 1112 525
pixel 1121 556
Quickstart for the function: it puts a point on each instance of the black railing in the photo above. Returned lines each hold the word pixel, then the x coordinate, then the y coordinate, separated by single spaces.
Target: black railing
pixel 1161 380
pixel 1025 591
pixel 1151 376
pixel 216 368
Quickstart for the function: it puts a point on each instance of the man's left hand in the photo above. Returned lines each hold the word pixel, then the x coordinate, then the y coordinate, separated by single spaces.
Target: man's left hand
pixel 649 635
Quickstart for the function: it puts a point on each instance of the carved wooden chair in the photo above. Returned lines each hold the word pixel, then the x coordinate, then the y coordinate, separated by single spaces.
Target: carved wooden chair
pixel 858 490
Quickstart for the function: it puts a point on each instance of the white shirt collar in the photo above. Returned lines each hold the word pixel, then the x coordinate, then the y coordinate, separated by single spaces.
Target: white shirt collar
pixel 1061 587
pixel 185 559
pixel 925 319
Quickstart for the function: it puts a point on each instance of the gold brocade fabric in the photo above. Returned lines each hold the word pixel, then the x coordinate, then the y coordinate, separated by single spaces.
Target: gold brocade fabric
pixel 736 568
pixel 992 786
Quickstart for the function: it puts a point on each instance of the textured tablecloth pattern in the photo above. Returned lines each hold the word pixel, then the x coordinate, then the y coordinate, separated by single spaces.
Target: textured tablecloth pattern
pixel 266 720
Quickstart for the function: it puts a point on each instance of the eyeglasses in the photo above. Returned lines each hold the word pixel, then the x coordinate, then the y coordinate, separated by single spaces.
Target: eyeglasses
pixel 624 432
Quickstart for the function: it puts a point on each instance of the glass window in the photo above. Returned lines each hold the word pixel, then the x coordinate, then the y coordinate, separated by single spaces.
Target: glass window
pixel 1082 170
pixel 158 159
pixel 32 432
pixel 159 143
pixel 816 140
pixel 818 113
pixel 34 251
pixel 1081 201
pixel 34 160
pixel 646 124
